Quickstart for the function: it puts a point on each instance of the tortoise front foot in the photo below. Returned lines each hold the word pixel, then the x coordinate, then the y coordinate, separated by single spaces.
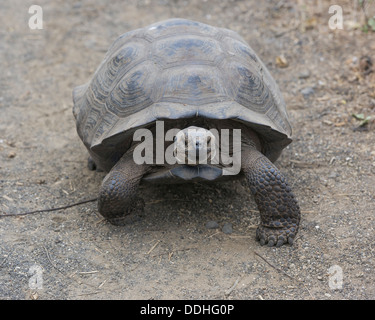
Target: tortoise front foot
pixel 273 236
pixel 118 201
pixel 279 211
pixel 126 214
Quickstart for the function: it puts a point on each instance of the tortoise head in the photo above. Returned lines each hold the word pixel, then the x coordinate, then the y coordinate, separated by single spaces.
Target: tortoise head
pixel 194 145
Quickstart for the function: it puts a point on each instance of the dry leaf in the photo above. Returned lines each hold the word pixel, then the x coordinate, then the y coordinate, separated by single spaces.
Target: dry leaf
pixel 281 62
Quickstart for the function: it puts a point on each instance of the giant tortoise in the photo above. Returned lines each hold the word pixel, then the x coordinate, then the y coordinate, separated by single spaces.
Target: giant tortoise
pixel 182 101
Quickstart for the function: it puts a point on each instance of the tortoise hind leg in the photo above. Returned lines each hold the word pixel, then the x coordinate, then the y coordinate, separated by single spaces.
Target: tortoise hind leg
pixel 118 201
pixel 279 211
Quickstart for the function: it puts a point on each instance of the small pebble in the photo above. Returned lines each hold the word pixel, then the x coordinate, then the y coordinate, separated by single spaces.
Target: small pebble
pixel 227 228
pixel 212 225
pixel 365 64
pixel 304 74
pixel 333 175
pixel 308 91
pixel 11 154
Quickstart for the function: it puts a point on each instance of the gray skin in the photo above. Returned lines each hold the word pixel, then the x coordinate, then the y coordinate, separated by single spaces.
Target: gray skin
pixel 280 214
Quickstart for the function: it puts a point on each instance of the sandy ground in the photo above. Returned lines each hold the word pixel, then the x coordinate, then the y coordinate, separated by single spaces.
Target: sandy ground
pixel 169 253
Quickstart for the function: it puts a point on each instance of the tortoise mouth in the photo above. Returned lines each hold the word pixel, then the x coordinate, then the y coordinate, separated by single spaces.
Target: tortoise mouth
pixel 194 157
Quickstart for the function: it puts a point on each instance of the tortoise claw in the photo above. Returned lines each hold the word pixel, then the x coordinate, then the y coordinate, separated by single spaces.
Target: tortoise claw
pixel 271 243
pixel 279 243
pixel 275 236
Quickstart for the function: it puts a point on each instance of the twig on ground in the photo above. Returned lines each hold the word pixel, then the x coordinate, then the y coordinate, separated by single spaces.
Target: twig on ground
pixel 52 264
pixel 229 291
pixel 153 247
pixel 269 263
pixel 283 272
pixel 48 210
pixel 5 259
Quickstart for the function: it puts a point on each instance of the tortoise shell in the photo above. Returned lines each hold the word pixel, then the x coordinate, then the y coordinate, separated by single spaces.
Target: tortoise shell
pixel 177 69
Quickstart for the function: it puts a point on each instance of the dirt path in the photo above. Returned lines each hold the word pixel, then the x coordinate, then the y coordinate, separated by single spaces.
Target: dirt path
pixel 170 254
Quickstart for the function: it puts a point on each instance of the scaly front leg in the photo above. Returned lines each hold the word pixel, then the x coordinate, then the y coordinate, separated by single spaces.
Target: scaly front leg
pixel 279 212
pixel 118 201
